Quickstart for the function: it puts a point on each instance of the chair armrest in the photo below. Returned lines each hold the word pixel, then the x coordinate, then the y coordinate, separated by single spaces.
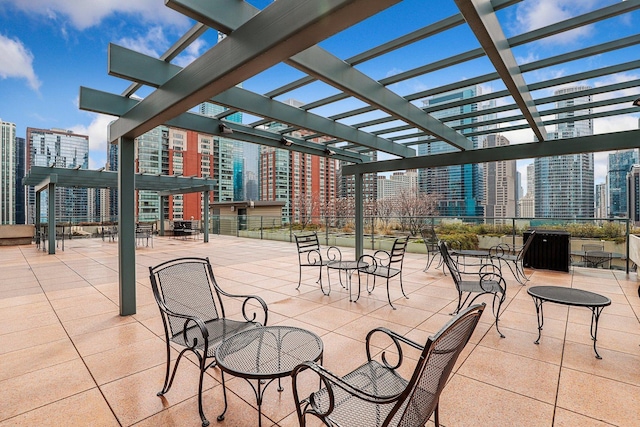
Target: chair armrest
pixel 329 380
pixel 334 254
pixel 397 339
pixel 314 257
pixel 382 257
pixel 245 306
pixel 188 319
pixel 372 264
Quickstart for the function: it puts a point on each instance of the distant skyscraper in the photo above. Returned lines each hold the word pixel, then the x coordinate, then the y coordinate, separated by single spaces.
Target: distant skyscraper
pixel 620 164
pixel 112 165
pixel 62 149
pixel 459 188
pixel 633 184
pixel 7 172
pixel 527 203
pixel 564 184
pixel 397 183
pixel 499 183
pixel 149 149
pixel 21 164
pixel 602 209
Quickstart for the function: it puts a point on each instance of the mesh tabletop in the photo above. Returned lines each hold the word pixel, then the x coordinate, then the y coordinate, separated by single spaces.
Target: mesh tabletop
pixel 268 352
pixel 347 265
pixel 569 296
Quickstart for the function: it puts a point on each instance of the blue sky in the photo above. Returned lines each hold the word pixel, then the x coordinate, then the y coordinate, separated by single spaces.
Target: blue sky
pixel 49 48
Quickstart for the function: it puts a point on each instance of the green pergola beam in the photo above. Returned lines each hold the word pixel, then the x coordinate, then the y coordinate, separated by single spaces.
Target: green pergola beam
pixel 318 63
pixel 280 31
pixel 108 103
pixel 144 69
pixel 482 20
pixel 584 144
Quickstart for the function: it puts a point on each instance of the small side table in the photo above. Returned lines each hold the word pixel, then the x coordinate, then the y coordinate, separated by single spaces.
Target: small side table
pixel 572 297
pixel 266 354
pixel 349 267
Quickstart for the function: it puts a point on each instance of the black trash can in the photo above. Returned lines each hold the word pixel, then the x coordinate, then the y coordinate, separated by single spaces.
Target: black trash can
pixel 549 250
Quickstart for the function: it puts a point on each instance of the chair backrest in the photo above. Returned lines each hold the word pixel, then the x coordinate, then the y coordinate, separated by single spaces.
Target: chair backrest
pixel 430 238
pixel 186 286
pixel 525 248
pixel 307 242
pixel 450 263
pixel 592 247
pixel 396 254
pixel 436 362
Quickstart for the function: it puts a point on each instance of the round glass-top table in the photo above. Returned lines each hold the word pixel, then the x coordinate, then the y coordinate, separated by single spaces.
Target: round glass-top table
pixel 572 297
pixel 265 354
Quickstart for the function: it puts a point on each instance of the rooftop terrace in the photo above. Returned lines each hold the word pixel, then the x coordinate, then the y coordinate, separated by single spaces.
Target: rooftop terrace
pixel 68 358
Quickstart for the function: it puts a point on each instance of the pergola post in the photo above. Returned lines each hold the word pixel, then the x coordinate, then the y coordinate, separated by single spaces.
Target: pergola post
pixel 126 226
pixel 51 217
pixel 162 215
pixel 359 211
pixel 205 212
pixel 36 219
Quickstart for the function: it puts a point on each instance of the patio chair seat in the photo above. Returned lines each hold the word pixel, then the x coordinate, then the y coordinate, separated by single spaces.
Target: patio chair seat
pixel 375 394
pixel 219 330
pixel 476 286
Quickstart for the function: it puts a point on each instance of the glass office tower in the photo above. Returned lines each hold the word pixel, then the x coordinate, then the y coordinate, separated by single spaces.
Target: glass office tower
pixel 620 164
pixel 7 172
pixel 459 188
pixel 61 149
pixel 565 184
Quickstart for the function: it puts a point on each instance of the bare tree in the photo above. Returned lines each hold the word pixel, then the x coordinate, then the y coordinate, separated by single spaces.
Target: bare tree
pixel 385 209
pixel 304 207
pixel 413 207
pixel 344 208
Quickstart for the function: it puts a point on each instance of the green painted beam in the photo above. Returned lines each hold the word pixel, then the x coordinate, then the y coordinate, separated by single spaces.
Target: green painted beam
pixel 126 227
pixel 260 43
pixel 94 100
pixel 585 144
pixel 482 20
pixel 131 65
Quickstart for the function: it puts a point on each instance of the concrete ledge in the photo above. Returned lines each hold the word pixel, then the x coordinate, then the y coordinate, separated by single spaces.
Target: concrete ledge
pixel 16 234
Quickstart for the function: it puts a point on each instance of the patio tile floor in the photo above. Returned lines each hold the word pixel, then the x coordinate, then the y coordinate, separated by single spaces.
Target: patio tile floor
pixel 68 358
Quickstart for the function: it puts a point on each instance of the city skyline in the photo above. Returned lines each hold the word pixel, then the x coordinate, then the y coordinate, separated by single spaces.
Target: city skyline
pixel 43 40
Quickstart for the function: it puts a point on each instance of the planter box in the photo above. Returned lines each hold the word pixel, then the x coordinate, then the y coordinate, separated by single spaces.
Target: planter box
pixel 16 234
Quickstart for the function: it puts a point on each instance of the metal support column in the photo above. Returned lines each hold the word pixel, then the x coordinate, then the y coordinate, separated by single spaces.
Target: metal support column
pixel 359 216
pixel 161 231
pixel 126 226
pixel 51 217
pixel 206 216
pixel 37 220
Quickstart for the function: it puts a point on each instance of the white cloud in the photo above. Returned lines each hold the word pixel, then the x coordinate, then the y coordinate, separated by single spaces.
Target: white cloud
pixel 191 53
pixel 17 62
pixel 97 132
pixel 150 44
pixel 84 14
pixel 533 15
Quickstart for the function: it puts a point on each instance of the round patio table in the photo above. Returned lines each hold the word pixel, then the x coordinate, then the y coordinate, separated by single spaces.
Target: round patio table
pixel 265 354
pixel 572 297
pixel 349 267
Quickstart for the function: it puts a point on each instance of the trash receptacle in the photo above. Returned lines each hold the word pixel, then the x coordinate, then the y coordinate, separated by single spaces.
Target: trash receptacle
pixel 549 250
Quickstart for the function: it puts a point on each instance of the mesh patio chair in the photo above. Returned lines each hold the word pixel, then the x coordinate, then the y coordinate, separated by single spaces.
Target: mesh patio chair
pixel 513 257
pixel 475 280
pixel 376 395
pixel 193 315
pixel 310 255
pixel 431 242
pixel 388 264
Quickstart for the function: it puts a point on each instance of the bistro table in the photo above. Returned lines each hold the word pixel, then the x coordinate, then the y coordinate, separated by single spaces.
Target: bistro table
pixel 265 354
pixel 572 297
pixel 349 267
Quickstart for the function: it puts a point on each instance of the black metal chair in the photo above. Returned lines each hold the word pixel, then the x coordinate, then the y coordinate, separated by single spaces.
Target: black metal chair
pixel 376 395
pixel 511 255
pixel 431 242
pixel 387 264
pixel 193 315
pixel 310 255
pixel 477 280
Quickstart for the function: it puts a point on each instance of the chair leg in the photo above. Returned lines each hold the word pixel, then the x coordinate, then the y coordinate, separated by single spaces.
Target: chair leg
pixel 299 277
pixel 205 422
pixel 388 295
pixel 224 394
pixel 401 286
pixel 436 415
pixel 168 379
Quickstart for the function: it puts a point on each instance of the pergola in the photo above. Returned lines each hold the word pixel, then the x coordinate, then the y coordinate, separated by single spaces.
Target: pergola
pixel 353 107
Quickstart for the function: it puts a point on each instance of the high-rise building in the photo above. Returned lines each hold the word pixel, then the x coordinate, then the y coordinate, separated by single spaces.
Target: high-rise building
pixel 620 164
pixel 527 203
pixel 565 184
pixel 602 208
pixel 7 172
pixel 459 188
pixel 633 202
pixel 21 163
pixel 149 149
pixel 62 149
pixel 499 183
pixel 112 165
pixel 397 183
pixel 347 183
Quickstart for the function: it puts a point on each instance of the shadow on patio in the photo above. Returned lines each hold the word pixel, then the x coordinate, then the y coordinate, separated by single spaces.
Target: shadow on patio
pixel 68 358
